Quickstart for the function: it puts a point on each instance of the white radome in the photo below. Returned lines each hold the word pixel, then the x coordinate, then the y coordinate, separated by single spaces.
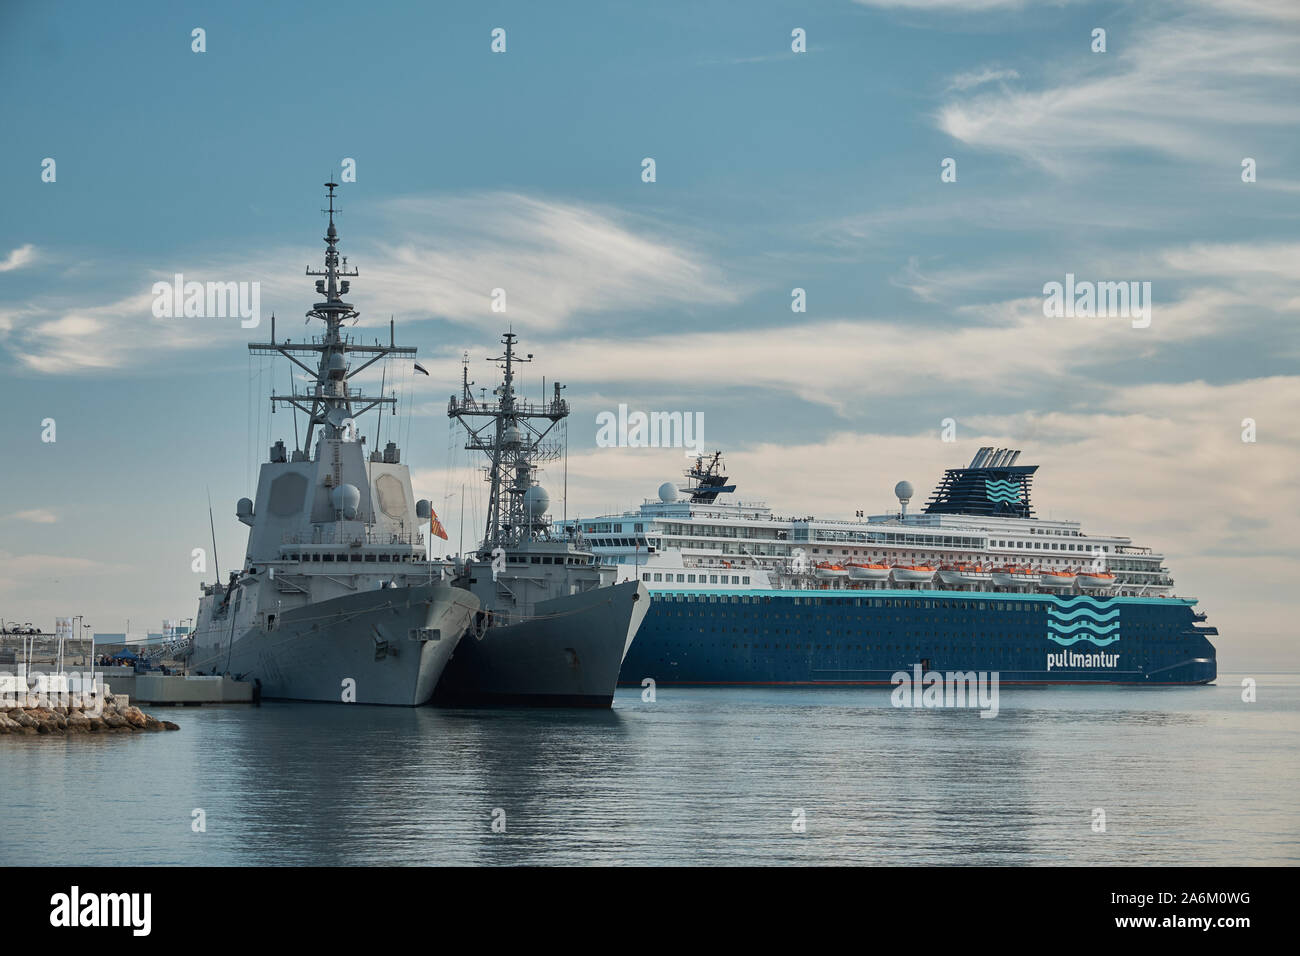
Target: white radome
pixel 536 501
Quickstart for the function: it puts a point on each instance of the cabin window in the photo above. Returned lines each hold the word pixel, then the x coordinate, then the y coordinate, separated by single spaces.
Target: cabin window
pixel 658 576
pixel 329 557
pixel 746 579
pixel 370 559
pixel 645 577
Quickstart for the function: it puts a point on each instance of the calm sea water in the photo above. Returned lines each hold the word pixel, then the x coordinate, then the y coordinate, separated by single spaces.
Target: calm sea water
pixel 701 776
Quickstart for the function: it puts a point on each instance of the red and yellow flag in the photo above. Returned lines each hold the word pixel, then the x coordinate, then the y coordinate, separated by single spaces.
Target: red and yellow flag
pixel 435 526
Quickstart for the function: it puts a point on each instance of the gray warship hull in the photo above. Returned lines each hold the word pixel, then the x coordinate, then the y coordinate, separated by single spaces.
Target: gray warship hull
pixel 566 654
pixel 392 645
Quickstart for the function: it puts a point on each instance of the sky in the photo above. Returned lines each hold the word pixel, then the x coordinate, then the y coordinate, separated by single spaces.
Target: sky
pixel 775 170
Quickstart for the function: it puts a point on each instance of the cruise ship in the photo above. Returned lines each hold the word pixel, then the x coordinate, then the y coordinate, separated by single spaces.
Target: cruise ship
pixel 974 581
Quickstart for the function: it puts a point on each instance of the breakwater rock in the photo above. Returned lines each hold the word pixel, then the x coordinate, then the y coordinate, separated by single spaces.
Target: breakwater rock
pixel 45 718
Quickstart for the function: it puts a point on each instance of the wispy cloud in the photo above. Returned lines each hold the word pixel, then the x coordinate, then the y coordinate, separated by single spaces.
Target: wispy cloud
pixel 35 515
pixel 1179 89
pixel 561 265
pixel 22 256
pixel 966 81
pixel 557 261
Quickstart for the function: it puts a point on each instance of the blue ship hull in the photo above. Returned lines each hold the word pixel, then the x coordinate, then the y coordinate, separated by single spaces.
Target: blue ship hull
pixel 840 637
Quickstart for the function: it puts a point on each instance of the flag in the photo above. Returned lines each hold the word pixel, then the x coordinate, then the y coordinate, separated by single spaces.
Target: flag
pixel 420 368
pixel 435 526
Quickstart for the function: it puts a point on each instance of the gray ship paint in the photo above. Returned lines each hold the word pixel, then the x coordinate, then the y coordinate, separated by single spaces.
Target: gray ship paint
pixel 336 600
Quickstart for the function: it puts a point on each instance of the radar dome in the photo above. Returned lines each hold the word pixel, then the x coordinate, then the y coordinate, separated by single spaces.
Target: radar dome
pixel 346 499
pixel 511 435
pixel 667 492
pixel 903 489
pixel 536 501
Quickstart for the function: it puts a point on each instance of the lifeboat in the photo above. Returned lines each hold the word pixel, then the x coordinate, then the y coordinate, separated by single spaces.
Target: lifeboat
pixel 1011 577
pixel 827 570
pixel 959 574
pixel 1095 580
pixel 913 573
pixel 867 572
pixel 1056 579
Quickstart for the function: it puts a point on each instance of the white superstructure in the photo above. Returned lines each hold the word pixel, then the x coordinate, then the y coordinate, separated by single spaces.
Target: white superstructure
pixel 699 539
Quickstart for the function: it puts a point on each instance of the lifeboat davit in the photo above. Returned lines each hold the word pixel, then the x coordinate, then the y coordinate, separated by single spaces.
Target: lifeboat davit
pixel 867 572
pixel 959 574
pixel 913 573
pixel 827 570
pixel 1056 579
pixel 1015 577
pixel 1095 580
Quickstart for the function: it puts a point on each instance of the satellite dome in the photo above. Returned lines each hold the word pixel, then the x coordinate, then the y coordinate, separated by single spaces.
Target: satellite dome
pixel 536 501
pixel 346 499
pixel 511 435
pixel 903 489
pixel 667 492
pixel 337 365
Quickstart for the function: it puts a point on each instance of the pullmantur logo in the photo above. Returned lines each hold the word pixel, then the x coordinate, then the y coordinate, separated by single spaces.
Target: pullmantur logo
pixel 1008 491
pixel 1082 618
pixel 75 909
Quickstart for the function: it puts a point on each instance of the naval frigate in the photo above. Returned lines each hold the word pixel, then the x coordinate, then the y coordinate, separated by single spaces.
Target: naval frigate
pixel 554 626
pixel 335 601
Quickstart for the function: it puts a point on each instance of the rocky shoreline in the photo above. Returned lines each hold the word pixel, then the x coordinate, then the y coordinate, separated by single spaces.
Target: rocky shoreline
pixel 58 721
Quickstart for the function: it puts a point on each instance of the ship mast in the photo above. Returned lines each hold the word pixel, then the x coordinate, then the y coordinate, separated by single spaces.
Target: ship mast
pixel 331 403
pixel 512 433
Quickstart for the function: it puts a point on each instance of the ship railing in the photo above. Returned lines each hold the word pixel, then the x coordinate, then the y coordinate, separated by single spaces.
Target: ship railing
pixel 352 540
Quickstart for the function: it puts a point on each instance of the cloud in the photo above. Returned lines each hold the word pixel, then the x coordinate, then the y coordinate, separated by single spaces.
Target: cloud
pixel 562 265
pixel 998 349
pixel 1180 89
pixel 559 263
pixel 22 256
pixel 115 335
pixel 966 81
pixel 36 515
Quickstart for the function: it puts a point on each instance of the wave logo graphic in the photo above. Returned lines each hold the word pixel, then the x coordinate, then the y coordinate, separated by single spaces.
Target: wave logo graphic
pixel 1082 618
pixel 1005 490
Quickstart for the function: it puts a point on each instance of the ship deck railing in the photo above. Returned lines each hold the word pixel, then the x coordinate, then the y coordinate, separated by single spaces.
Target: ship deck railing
pixel 333 539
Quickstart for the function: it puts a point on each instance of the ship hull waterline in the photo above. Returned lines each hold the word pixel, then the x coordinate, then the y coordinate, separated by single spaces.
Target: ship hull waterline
pixel 567 654
pixel 388 647
pixel 847 638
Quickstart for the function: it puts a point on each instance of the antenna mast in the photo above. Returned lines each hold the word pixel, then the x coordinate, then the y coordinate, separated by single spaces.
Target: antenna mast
pixel 513 434
pixel 330 403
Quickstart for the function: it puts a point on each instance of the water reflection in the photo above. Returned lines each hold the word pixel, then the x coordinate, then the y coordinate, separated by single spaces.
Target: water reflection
pixel 700 776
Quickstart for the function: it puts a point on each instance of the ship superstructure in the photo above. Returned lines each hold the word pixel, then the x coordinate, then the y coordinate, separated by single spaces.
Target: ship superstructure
pixel 554 627
pixel 976 546
pixel 335 601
